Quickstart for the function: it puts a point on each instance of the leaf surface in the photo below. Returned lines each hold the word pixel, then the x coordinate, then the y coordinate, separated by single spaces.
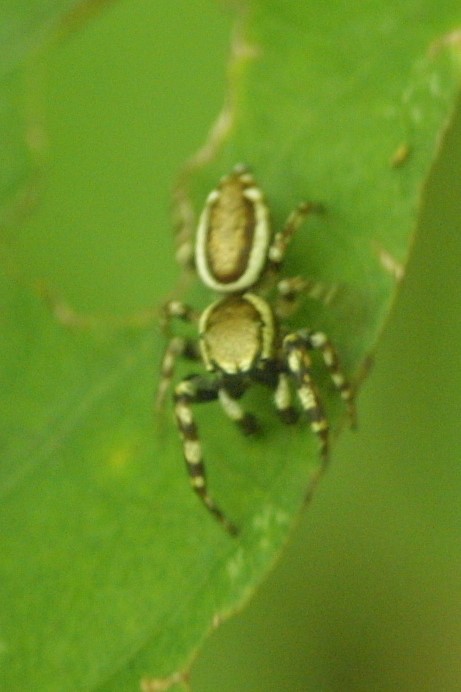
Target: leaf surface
pixel 112 570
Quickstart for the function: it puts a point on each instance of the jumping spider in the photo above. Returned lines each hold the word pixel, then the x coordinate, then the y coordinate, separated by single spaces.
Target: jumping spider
pixel 241 338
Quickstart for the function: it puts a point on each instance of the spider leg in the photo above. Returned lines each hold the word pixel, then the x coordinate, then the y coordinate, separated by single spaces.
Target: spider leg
pixel 194 390
pixel 277 250
pixel 291 288
pixel 283 401
pixel 299 365
pixel 247 423
pixel 177 347
pixel 184 220
pixel 175 309
pixel 320 342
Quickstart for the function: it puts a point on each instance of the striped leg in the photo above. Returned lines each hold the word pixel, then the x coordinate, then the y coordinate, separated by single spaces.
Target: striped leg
pixel 283 402
pixel 320 342
pixel 175 309
pixel 178 347
pixel 291 288
pixel 299 364
pixel 281 240
pixel 246 421
pixel 190 391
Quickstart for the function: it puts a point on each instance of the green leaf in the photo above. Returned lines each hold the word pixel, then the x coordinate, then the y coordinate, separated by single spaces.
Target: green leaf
pixel 24 26
pixel 112 572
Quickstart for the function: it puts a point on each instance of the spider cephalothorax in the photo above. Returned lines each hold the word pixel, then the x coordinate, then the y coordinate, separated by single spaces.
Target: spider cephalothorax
pixel 241 337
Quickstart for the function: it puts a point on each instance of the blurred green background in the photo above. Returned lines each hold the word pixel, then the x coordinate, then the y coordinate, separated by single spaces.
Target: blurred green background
pixel 368 594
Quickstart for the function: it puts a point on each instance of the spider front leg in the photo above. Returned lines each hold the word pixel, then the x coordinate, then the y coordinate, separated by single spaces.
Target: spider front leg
pixel 195 390
pixel 299 365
